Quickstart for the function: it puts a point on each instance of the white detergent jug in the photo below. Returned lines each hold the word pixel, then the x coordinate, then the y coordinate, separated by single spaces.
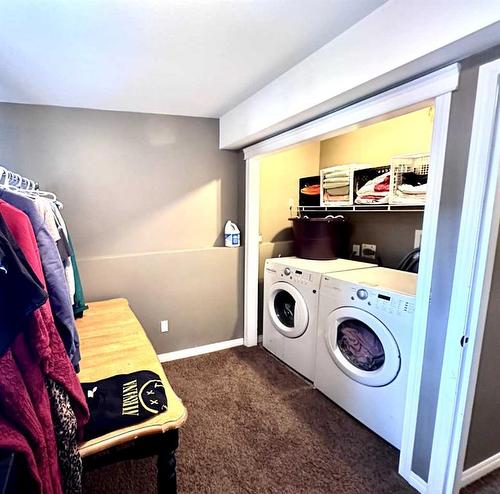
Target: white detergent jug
pixel 231 234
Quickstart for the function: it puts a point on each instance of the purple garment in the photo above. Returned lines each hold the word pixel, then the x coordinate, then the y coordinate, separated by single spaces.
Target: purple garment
pixel 360 345
pixel 53 269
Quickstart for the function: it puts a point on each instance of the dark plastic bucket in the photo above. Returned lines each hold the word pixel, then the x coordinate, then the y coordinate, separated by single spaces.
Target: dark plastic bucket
pixel 321 238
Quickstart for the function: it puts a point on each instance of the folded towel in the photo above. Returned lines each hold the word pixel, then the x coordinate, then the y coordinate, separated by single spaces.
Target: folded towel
pixel 372 199
pixel 381 180
pixel 337 191
pixel 344 173
pixel 330 176
pixel 331 198
pixel 401 198
pixel 413 189
pixel 336 180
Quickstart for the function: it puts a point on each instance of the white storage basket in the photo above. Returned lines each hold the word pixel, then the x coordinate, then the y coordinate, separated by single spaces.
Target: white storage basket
pixel 328 200
pixel 417 164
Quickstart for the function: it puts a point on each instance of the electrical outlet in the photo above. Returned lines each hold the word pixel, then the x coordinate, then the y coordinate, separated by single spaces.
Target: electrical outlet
pixel 418 239
pixel 369 250
pixel 355 249
pixel 164 326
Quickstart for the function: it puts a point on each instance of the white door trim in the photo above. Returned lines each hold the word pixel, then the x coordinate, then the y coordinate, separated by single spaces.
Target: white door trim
pixel 252 212
pixel 420 325
pixel 470 295
pixel 395 101
pixel 415 94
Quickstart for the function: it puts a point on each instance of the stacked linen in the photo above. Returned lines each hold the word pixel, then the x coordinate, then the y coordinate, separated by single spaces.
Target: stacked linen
pixel 413 190
pixel 336 186
pixel 375 191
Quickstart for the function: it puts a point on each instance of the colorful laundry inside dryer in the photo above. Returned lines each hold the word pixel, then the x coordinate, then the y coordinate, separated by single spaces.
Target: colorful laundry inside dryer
pixel 360 345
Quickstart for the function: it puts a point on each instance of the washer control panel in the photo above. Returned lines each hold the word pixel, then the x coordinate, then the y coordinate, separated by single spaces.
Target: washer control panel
pixel 296 276
pixel 362 294
pixel 290 274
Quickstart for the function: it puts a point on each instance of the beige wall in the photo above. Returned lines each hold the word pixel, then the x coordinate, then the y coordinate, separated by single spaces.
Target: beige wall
pixel 378 143
pixel 392 233
pixel 146 198
pixel 279 182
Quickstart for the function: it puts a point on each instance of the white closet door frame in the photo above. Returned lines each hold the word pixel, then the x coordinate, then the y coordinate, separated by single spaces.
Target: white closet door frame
pixel 435 87
pixel 470 296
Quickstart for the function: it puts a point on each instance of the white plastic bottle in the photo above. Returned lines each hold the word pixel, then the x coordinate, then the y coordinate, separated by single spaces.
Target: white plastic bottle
pixel 231 235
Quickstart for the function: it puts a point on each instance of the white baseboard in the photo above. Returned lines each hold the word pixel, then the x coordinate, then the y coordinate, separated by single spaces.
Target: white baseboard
pixel 480 470
pixel 199 350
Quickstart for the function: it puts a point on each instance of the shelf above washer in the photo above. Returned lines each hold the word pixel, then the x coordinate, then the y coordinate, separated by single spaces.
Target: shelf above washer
pixel 358 208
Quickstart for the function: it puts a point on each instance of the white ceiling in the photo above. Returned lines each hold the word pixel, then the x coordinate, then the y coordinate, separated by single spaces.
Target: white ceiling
pixel 180 57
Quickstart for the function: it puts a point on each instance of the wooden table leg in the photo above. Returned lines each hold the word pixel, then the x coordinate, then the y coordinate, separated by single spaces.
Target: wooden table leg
pixel 161 445
pixel 167 477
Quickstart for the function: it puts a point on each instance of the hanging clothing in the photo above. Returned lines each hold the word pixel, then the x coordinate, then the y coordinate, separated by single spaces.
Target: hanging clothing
pixel 60 301
pixel 37 353
pixel 21 293
pixel 65 249
pixel 55 226
pixel 24 400
pixel 65 424
pixel 12 440
pixel 79 306
pixel 46 339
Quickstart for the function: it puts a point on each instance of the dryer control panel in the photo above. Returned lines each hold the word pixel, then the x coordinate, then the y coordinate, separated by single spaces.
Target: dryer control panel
pixel 368 297
pixel 393 304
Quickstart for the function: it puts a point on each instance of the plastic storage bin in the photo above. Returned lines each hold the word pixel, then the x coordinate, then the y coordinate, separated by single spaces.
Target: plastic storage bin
pixel 409 179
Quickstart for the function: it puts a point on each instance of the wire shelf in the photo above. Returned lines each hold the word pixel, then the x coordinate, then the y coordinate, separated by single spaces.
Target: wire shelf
pixel 364 208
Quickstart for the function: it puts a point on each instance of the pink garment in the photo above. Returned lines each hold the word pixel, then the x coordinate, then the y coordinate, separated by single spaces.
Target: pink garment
pixel 384 185
pixel 13 441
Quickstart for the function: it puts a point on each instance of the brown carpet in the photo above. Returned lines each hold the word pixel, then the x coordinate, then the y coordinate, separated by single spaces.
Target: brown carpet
pixel 254 426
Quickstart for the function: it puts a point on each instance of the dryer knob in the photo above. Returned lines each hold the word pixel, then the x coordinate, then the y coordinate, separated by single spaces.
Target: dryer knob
pixel 287 271
pixel 362 294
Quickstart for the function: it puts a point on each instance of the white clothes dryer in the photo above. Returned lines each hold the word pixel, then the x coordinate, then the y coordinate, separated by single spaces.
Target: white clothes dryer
pixel 291 295
pixel 365 323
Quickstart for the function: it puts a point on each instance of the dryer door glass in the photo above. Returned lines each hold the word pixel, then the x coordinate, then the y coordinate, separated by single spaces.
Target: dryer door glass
pixel 360 345
pixel 284 305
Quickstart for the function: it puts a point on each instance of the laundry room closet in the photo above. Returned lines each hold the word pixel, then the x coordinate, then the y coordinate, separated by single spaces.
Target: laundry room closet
pixel 341 221
pixel 393 226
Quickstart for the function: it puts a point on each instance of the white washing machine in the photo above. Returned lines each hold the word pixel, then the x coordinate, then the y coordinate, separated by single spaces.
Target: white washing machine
pixel 365 323
pixel 291 295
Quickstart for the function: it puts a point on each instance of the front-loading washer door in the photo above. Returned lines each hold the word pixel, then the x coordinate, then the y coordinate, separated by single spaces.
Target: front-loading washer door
pixel 288 310
pixel 362 346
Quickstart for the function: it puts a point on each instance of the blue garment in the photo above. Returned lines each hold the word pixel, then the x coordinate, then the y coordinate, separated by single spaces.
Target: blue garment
pixel 53 269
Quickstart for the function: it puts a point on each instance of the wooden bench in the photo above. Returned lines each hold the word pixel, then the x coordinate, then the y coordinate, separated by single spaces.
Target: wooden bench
pixel 112 341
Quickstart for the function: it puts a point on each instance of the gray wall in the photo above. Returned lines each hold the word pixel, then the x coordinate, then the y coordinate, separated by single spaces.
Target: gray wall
pixel 392 233
pixel 462 109
pixel 146 198
pixel 484 434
